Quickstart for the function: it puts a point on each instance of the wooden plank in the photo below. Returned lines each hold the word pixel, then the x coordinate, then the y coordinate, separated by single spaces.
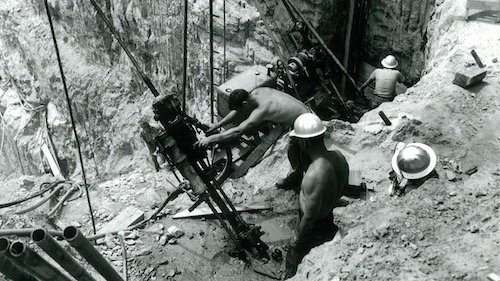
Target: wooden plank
pixel 127 217
pixel 258 152
pixel 54 166
pixel 469 77
pixel 204 210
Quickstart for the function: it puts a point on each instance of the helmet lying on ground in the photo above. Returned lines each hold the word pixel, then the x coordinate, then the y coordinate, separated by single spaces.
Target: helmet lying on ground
pixel 414 161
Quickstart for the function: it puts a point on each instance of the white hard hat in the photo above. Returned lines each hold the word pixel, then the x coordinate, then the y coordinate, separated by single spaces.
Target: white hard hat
pixel 390 62
pixel 307 125
pixel 414 160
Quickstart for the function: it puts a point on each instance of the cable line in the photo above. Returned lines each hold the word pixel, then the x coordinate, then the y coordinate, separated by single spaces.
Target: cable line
pixel 70 112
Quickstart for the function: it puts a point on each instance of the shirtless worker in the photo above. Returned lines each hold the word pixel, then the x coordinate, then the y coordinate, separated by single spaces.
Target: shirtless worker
pixel 322 186
pixel 385 82
pixel 263 104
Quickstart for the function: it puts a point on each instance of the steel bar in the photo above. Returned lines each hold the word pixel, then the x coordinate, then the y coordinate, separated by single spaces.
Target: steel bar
pixel 9 267
pixel 65 87
pixel 224 65
pixel 211 60
pixel 45 241
pixel 185 53
pixel 89 253
pixel 323 44
pixel 36 263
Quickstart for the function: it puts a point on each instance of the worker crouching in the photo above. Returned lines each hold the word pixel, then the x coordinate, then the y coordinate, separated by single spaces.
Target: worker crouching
pixel 321 188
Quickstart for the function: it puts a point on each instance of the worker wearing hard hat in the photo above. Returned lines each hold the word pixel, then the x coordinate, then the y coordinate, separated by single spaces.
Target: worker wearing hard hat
pixel 321 188
pixel 385 82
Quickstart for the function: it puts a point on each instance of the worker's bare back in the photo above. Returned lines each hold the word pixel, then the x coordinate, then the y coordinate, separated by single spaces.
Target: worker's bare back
pixel 278 106
pixel 324 181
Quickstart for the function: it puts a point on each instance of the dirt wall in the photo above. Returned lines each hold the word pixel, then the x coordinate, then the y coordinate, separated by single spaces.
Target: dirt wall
pixel 398 28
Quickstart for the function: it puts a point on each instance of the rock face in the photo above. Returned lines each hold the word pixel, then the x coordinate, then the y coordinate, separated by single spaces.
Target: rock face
pixel 398 28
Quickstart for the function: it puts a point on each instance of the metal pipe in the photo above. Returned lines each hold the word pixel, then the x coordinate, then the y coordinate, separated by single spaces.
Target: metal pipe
pixel 36 263
pixel 185 54
pixel 9 267
pixel 48 244
pixel 211 60
pixel 89 253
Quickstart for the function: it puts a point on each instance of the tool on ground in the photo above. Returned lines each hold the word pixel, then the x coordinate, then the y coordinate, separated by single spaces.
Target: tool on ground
pixel 384 117
pixel 477 59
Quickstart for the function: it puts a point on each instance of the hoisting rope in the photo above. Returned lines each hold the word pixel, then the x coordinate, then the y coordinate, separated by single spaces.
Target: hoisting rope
pixel 63 78
pixel 134 62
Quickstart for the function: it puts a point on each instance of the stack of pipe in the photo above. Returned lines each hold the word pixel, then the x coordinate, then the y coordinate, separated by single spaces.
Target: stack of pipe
pixel 20 263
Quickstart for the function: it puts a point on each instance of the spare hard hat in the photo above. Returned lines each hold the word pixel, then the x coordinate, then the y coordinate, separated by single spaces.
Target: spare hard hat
pixel 307 125
pixel 414 161
pixel 390 62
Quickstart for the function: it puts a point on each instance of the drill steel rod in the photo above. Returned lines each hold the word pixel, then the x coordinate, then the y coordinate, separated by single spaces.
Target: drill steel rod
pixel 89 253
pixel 45 241
pixel 10 267
pixel 36 263
pixel 185 53
pixel 211 60
pixel 288 4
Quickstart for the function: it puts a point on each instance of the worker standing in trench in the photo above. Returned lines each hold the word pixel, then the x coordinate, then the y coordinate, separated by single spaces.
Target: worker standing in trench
pixel 264 104
pixel 322 186
pixel 385 82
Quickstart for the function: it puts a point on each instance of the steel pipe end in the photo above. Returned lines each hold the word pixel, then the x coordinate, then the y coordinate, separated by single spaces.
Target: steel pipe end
pixel 70 233
pixel 38 235
pixel 4 245
pixel 17 248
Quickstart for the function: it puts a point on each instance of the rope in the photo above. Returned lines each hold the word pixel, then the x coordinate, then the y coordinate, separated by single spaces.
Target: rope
pixel 70 112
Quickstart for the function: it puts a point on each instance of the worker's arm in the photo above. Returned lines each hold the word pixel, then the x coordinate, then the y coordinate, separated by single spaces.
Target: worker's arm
pixel 229 118
pixel 370 79
pixel 255 118
pixel 311 201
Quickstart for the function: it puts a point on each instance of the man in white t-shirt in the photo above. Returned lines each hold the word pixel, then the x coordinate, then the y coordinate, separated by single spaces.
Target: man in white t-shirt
pixel 385 82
